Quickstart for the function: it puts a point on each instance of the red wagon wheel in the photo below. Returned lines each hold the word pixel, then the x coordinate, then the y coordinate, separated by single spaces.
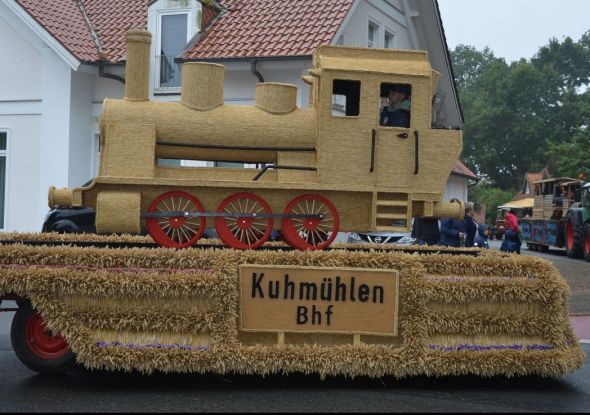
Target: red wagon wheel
pixel 36 346
pixel 248 231
pixel 310 233
pixel 176 231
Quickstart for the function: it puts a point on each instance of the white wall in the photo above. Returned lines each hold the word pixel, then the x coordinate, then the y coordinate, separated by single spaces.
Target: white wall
pixel 20 68
pixel 388 15
pixel 81 129
pixel 21 85
pixel 456 188
pixel 55 128
pixel 240 82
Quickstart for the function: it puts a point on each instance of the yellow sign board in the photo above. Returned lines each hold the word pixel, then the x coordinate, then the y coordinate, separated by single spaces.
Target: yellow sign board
pixel 277 298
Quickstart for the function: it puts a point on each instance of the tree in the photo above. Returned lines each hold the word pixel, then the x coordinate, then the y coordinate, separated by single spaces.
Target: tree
pixel 491 197
pixel 522 116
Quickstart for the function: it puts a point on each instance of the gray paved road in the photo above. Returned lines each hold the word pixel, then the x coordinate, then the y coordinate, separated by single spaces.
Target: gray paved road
pixel 83 391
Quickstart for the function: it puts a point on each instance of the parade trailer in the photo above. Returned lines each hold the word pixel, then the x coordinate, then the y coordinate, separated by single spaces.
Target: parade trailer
pixel 561 217
pixel 173 302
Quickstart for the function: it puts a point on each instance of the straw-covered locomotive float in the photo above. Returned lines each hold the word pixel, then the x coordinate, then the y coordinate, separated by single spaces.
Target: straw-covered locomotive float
pixel 210 308
pixel 319 170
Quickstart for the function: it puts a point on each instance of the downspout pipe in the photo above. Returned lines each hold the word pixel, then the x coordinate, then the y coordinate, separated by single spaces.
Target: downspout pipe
pixel 255 71
pixel 103 74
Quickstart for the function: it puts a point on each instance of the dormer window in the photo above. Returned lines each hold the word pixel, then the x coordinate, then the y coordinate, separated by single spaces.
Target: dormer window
pixel 173 24
pixel 173 35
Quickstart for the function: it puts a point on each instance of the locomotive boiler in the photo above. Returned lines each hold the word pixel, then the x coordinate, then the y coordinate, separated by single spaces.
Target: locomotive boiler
pixel 320 169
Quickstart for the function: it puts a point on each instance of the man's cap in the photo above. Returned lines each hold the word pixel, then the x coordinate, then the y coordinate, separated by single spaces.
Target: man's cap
pixel 387 88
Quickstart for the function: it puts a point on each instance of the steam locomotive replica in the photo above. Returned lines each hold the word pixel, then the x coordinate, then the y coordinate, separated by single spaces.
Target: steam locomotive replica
pixel 320 169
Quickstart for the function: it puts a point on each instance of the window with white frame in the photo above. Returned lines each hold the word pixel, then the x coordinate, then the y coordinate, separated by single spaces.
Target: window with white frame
pixel 388 39
pixel 3 171
pixel 173 35
pixel 373 34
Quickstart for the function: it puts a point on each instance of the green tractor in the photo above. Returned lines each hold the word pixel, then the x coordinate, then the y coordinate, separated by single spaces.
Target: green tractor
pixel 577 228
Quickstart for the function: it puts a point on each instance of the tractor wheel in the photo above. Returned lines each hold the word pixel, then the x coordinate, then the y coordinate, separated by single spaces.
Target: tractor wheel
pixel 38 348
pixel 573 239
pixel 587 241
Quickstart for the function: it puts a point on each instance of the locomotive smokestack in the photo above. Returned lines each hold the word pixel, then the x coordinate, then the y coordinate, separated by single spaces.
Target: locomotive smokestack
pixel 202 85
pixel 137 67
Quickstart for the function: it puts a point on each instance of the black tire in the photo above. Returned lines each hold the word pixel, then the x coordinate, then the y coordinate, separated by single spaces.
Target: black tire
pixel 65 226
pixel 587 241
pixel 36 356
pixel 531 247
pixel 574 243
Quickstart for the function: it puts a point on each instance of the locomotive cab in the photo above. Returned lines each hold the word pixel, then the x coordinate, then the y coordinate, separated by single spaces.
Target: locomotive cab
pixel 405 163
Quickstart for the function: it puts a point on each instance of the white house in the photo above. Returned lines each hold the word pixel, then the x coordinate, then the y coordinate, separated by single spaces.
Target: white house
pixel 61 58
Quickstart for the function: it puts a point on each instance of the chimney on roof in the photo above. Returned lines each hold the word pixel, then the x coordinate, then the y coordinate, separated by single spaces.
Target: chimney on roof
pixel 210 11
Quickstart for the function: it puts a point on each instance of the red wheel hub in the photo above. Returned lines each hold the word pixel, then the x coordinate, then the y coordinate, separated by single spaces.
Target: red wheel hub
pixel 570 236
pixel 587 244
pixel 176 222
pixel 42 342
pixel 245 223
pixel 311 224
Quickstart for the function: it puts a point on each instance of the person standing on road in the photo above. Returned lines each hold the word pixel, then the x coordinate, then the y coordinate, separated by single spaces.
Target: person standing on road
pixel 452 231
pixel 481 240
pixel 470 225
pixel 511 241
pixel 426 231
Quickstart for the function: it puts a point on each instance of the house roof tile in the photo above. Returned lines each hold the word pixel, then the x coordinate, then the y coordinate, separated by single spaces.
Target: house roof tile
pixel 111 19
pixel 462 170
pixel 270 28
pixel 68 22
pixel 64 20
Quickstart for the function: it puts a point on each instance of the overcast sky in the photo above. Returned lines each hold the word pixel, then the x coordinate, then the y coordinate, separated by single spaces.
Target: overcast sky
pixel 513 29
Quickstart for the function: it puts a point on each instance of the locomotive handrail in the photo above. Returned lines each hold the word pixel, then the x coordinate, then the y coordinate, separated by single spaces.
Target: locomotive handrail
pixel 373 140
pixel 225 147
pixel 276 166
pixel 182 214
pixel 417 157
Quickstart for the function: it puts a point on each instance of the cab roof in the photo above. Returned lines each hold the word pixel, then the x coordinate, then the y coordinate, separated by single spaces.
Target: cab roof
pixel 386 61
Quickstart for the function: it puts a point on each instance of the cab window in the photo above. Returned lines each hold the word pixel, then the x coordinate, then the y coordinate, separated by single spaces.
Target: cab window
pixel 346 98
pixel 395 105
